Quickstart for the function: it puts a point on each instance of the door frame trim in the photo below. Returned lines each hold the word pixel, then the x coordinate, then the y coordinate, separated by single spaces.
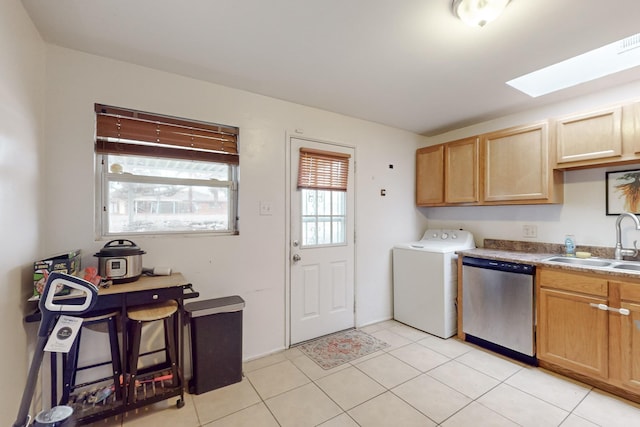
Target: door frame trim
pixel 287 245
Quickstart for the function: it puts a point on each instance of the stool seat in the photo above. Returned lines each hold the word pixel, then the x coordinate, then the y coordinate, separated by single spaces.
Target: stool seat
pixel 151 312
pixel 97 318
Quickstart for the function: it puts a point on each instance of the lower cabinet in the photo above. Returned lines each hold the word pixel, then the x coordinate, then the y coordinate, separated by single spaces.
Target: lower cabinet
pixel 572 334
pixel 589 327
pixel 630 336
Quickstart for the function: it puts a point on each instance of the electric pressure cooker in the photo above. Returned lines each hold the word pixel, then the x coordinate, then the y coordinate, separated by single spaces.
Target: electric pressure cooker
pixel 120 261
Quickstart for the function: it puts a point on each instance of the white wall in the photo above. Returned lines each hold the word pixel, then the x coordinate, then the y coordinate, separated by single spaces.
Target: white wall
pixel 21 103
pixel 583 212
pixel 253 264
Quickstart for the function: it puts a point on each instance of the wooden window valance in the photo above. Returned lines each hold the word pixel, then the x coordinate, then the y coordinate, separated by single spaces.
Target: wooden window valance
pixel 122 131
pixel 323 170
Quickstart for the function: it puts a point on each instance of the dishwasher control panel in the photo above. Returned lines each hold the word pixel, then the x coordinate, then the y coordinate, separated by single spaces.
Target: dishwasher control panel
pixel 492 264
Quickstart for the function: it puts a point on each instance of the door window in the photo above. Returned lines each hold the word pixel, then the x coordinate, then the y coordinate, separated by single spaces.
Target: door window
pixel 324 215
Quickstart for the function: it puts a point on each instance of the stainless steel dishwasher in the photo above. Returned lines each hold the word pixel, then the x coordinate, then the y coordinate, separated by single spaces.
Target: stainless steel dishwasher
pixel 498 306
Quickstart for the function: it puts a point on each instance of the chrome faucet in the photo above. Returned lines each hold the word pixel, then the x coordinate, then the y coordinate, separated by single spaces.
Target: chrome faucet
pixel 620 251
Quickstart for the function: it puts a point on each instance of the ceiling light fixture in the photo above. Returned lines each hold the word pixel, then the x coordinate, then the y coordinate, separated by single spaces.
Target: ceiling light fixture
pixel 478 12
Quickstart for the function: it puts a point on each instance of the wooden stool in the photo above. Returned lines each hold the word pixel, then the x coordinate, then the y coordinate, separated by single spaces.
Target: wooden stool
pixel 70 360
pixel 165 311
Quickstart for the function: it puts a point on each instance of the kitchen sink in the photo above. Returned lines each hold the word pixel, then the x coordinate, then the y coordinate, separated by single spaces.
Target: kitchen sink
pixel 634 267
pixel 600 264
pixel 587 262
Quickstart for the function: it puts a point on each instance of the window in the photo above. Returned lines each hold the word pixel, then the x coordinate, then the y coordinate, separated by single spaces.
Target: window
pixel 324 217
pixel 322 178
pixel 163 175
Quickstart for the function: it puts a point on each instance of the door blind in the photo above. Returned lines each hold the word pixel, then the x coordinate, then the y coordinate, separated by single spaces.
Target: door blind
pixel 323 170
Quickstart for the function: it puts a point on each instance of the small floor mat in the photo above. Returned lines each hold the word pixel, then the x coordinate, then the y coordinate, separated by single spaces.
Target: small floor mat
pixel 336 349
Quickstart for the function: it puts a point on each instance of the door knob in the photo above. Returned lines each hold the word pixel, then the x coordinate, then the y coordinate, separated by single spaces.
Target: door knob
pixel 296 258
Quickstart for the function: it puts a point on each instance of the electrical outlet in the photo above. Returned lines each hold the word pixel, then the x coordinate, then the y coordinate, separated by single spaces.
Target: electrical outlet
pixel 529 231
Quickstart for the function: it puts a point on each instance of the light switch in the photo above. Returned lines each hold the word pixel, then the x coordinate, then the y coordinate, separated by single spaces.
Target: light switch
pixel 266 208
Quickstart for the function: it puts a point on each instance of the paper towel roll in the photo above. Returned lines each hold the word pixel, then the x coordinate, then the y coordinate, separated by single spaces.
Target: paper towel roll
pixel 162 271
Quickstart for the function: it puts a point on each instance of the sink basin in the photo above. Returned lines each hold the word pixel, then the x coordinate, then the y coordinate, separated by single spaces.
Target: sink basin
pixel 584 261
pixel 600 264
pixel 634 267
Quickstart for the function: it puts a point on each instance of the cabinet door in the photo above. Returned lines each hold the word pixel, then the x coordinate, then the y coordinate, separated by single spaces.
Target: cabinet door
pixel 430 175
pixel 461 171
pixel 629 344
pixel 517 164
pixel 630 347
pixel 572 333
pixel 590 136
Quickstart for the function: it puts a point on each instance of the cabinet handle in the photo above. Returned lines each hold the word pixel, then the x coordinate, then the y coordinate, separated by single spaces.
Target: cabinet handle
pixel 623 311
pixel 155 296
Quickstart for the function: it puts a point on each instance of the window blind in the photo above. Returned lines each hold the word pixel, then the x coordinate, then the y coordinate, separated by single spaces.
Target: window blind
pixel 124 131
pixel 323 170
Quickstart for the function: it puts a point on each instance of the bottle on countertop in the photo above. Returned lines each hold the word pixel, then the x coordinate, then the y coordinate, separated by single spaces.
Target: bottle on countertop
pixel 570 245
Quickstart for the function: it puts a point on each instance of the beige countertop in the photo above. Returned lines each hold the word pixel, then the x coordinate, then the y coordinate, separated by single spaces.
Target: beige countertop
pixel 506 255
pixel 537 259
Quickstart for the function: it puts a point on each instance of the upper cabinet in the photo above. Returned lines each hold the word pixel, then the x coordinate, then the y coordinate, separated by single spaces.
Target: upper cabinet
pixel 506 167
pixel 461 172
pixel 598 138
pixel 517 167
pixel 430 175
pixel 525 164
pixel 592 136
pixel 448 173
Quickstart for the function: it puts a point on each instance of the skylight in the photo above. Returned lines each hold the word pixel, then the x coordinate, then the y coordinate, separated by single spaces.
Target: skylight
pixel 609 59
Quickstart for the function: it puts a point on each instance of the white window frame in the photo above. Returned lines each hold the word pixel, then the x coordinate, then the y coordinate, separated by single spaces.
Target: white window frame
pixel 104 177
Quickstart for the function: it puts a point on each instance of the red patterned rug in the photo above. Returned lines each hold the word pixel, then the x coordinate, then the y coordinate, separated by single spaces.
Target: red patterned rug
pixel 342 347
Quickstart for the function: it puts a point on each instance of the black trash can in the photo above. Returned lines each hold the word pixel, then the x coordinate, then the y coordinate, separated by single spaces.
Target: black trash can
pixel 216 343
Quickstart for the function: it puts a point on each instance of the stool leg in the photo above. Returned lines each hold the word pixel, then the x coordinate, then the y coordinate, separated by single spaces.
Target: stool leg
pixel 70 365
pixel 134 342
pixel 116 364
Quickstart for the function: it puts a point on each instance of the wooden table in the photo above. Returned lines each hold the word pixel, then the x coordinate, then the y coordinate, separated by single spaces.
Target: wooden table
pixel 120 297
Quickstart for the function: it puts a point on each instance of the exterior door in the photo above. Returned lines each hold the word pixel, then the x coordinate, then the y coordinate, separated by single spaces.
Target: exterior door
pixel 321 252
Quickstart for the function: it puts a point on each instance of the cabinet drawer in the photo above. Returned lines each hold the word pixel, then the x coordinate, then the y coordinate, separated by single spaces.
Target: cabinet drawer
pixel 153 296
pixel 573 282
pixel 630 291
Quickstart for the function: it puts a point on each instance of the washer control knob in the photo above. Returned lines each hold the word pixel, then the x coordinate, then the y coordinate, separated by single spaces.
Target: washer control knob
pixel 444 236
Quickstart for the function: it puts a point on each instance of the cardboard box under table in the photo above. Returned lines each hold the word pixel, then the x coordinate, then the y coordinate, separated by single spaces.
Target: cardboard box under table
pixel 216 343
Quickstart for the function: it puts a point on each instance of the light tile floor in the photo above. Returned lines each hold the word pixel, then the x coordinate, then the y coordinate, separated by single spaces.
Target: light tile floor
pixel 419 380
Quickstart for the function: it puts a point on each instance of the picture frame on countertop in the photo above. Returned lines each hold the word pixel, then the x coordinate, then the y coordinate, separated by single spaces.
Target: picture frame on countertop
pixel 623 191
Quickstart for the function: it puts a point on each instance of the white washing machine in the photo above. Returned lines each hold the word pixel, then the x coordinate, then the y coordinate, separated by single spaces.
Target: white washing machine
pixel 425 277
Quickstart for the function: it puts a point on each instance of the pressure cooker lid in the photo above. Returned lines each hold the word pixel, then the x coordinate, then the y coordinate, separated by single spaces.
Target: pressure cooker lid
pixel 120 247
